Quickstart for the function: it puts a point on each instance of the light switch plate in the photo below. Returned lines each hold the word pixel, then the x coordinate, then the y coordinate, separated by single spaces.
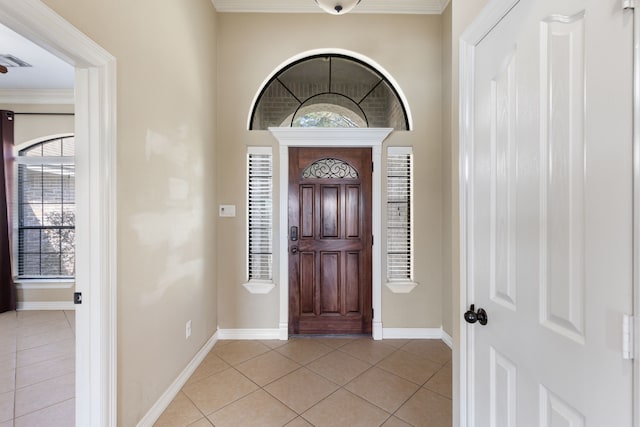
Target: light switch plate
pixel 227 210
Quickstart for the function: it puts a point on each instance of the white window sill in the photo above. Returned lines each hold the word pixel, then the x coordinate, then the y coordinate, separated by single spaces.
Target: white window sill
pixel 44 283
pixel 401 287
pixel 259 286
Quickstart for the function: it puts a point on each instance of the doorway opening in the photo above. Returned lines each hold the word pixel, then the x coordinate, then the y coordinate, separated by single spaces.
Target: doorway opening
pixel 95 157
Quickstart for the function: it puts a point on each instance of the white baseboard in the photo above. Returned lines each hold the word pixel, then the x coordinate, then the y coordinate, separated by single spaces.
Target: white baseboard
pixel 167 397
pixel 45 305
pixel 386 333
pixel 377 330
pixel 249 334
pixel 283 334
pixel 447 339
pixel 412 333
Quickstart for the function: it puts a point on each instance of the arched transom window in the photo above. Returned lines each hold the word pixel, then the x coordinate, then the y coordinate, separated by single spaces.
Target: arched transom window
pixel 329 90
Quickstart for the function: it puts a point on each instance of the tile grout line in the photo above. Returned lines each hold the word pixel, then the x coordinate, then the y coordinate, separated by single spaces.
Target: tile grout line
pixel 44 407
pixel 15 384
pixel 339 386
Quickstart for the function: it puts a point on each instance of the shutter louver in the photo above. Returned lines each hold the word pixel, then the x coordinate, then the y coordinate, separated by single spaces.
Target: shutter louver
pixel 260 216
pixel 399 216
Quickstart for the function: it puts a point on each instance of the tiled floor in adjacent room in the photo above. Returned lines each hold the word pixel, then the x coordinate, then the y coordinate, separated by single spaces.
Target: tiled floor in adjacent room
pixel 344 382
pixel 37 369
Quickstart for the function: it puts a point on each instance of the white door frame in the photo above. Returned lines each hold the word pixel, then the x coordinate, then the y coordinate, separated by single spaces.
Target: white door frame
pixel 95 136
pixel 490 16
pixel 322 137
pixel 636 214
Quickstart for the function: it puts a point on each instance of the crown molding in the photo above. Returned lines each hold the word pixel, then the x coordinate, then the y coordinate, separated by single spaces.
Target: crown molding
pixel 420 7
pixel 36 96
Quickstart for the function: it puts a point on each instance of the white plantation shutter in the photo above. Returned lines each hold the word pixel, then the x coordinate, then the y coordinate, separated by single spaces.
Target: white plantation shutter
pixel 260 213
pixel 399 214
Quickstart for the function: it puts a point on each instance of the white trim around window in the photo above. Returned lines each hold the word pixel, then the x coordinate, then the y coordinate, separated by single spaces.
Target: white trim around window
pixel 48 171
pixel 33 284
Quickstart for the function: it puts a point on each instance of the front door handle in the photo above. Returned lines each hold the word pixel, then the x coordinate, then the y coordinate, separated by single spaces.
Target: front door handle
pixel 294 250
pixel 473 316
pixel 294 234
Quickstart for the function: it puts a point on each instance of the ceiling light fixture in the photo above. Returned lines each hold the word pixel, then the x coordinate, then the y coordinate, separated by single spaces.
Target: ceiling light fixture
pixel 337 7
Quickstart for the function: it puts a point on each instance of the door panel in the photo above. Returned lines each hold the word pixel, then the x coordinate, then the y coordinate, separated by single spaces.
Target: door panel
pixel 549 217
pixel 307 204
pixel 329 282
pixel 330 217
pixel 352 208
pixel 330 265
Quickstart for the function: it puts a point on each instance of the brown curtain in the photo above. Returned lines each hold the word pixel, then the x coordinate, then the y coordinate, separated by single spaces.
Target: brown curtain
pixel 7 287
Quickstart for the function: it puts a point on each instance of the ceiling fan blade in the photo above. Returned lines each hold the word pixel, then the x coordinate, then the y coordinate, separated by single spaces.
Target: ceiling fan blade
pixel 3 69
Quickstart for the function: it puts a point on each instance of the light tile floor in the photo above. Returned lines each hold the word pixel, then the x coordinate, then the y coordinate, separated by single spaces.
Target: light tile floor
pixel 300 382
pixel 317 382
pixel 37 369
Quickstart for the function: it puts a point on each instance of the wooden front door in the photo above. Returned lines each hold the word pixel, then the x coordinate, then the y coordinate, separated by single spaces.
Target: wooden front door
pixel 330 240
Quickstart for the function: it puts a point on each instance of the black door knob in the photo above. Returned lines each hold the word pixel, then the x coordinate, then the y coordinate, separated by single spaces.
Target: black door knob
pixel 473 316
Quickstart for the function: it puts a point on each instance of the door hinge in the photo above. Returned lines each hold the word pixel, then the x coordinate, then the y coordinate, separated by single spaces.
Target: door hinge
pixel 628 4
pixel 372 240
pixel 77 298
pixel 372 314
pixel 627 336
pixel 372 166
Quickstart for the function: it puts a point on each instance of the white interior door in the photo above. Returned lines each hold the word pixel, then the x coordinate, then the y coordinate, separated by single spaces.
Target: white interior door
pixel 548 196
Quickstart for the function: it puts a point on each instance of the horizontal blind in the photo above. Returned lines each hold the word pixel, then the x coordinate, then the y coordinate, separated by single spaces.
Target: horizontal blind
pixel 260 200
pixel 46 217
pixel 399 216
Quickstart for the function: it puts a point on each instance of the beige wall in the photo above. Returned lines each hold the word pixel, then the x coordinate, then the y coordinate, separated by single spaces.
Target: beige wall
pixel 29 127
pixel 165 53
pixel 250 48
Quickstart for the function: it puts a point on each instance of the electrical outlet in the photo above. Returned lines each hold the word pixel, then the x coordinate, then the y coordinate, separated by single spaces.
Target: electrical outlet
pixel 188 329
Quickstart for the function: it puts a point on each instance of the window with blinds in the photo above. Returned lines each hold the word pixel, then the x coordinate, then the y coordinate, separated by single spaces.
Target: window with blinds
pixel 260 213
pixel 399 214
pixel 46 210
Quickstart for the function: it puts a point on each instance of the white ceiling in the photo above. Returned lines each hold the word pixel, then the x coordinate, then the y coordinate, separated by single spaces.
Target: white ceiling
pixel 309 6
pixel 48 73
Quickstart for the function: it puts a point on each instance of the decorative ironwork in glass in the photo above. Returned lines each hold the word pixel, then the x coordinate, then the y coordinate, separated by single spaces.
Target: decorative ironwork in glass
pixel 329 168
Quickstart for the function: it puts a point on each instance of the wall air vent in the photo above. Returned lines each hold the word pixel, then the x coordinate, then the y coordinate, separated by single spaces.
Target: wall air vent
pixel 11 61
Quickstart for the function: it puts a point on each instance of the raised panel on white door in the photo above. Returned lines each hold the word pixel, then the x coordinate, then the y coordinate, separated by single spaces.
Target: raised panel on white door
pixel 503 389
pixel 555 412
pixel 562 159
pixel 503 177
